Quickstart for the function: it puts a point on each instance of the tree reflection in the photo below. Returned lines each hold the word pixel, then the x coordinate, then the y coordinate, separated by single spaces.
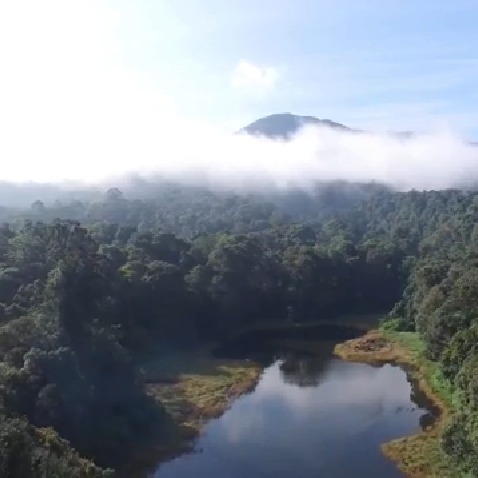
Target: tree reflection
pixel 421 399
pixel 303 372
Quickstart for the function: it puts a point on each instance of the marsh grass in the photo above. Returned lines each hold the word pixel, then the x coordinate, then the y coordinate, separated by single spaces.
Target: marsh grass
pixel 194 387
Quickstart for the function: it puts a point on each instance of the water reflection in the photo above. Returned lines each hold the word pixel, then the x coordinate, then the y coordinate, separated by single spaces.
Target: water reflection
pixel 300 372
pixel 314 416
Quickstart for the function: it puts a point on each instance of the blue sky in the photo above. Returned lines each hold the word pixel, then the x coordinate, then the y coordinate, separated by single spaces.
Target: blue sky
pixel 392 64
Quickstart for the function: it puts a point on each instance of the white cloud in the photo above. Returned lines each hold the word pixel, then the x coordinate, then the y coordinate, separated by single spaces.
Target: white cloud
pixel 70 109
pixel 246 75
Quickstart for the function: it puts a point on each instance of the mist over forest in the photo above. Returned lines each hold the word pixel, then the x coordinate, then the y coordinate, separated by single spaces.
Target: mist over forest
pixel 297 163
pixel 276 153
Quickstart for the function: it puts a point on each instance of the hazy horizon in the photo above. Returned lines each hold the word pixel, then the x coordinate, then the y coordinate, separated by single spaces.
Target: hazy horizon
pixel 128 98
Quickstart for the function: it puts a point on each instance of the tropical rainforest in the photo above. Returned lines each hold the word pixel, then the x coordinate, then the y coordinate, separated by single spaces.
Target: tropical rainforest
pixel 89 287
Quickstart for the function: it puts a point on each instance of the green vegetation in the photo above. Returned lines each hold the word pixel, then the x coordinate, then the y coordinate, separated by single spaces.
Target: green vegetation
pixel 430 371
pixel 418 455
pixel 84 306
pixel 192 387
pixel 422 454
pixel 205 390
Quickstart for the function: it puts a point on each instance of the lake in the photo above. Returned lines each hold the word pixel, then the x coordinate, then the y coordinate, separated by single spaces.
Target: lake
pixel 311 415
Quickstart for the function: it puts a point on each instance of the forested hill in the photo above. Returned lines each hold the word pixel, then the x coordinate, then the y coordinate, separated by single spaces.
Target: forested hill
pixel 85 287
pixel 190 210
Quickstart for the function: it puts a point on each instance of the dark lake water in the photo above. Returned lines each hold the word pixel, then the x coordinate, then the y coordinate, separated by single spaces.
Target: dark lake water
pixel 310 416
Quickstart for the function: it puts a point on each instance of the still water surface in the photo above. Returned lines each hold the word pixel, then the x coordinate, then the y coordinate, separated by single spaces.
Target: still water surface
pixel 310 416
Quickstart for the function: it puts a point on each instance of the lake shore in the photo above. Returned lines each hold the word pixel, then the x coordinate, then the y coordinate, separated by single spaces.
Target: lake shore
pixel 418 455
pixel 193 389
pixel 197 396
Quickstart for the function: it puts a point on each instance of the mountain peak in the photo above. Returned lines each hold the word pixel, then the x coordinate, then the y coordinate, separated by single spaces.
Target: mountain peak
pixel 285 125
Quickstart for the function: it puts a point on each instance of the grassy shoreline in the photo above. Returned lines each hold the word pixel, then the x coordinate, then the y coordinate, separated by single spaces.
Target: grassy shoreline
pixel 417 455
pixel 206 391
pixel 193 388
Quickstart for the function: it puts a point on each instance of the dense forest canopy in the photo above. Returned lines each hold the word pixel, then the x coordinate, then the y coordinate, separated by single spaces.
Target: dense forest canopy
pixel 87 286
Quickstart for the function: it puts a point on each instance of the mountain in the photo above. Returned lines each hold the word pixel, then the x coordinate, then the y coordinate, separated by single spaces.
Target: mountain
pixel 284 125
